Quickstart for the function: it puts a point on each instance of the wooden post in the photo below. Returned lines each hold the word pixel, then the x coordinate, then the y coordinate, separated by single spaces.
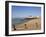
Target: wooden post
pixel 14 27
pixel 25 26
pixel 36 25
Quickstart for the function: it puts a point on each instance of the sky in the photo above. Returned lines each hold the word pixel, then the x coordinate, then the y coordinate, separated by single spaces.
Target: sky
pixel 24 11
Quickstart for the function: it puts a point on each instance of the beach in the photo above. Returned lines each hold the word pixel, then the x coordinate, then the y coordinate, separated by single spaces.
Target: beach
pixel 34 24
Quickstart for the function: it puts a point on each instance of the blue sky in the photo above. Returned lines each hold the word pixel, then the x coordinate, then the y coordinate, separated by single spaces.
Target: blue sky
pixel 23 11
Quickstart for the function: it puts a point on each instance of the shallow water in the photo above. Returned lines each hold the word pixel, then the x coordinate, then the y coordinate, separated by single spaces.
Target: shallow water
pixel 18 20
